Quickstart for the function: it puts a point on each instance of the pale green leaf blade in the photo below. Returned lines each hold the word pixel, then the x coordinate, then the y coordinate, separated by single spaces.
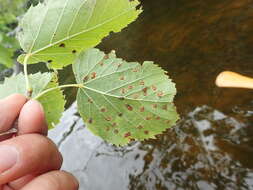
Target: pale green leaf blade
pixel 56 31
pixel 52 102
pixel 122 101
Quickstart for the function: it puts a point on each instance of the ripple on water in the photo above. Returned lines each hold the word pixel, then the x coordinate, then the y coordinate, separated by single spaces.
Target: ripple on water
pixel 206 150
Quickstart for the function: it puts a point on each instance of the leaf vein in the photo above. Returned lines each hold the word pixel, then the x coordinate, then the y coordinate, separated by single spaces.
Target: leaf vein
pixel 39 30
pixel 79 33
pixel 59 21
pixel 73 21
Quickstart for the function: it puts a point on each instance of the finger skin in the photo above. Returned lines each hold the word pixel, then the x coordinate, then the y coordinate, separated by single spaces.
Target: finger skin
pixel 9 110
pixel 32 119
pixel 55 180
pixel 37 155
pixel 21 182
pixel 6 188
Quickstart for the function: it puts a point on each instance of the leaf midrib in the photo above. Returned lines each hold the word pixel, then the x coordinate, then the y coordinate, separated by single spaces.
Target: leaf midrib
pixel 115 96
pixel 79 33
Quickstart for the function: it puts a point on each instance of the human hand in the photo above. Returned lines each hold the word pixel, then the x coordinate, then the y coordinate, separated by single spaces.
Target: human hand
pixel 29 161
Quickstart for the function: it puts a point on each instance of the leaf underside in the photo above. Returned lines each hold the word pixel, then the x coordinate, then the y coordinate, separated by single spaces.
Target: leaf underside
pixel 123 101
pixel 52 102
pixel 56 31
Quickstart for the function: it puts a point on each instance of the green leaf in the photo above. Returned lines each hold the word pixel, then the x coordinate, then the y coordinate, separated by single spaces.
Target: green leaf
pixel 9 9
pixel 6 56
pixel 9 42
pixel 8 45
pixel 56 31
pixel 122 101
pixel 52 102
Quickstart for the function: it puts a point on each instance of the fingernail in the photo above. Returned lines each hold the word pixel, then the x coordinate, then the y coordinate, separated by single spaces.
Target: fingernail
pixel 8 158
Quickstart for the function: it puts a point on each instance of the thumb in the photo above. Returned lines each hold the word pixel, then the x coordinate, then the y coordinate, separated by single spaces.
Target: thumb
pixel 10 108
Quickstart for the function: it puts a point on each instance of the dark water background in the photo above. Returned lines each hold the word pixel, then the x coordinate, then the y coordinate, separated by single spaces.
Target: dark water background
pixel 212 145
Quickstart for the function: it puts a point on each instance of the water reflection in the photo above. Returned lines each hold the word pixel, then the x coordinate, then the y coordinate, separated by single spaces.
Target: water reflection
pixel 193 155
pixel 206 150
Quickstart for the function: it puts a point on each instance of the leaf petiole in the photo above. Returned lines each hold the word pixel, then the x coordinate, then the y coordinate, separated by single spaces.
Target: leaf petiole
pixel 28 87
pixel 58 87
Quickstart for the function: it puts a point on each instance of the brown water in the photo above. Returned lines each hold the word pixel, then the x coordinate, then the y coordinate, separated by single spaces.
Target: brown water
pixel 212 146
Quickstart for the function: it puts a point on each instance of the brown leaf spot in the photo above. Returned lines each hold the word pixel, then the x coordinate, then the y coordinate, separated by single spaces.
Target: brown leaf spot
pixel 129 107
pixel 120 114
pixel 107 129
pixel 116 131
pixel 101 63
pixel 154 106
pixel 165 107
pixel 146 132
pixel 50 61
pixel 93 75
pixel 122 78
pixel 90 121
pixel 108 118
pixel 160 94
pixel 114 124
pixel 119 65
pixel 103 110
pixel 140 127
pixel 142 83
pixel 154 87
pixel 148 118
pixel 86 78
pixel 157 118
pixel 121 98
pixel 74 51
pixel 135 70
pixel 62 45
pixel 90 101
pixel 130 87
pixel 142 109
pixel 127 135
pixel 106 57
pixel 145 91
pixel 123 91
